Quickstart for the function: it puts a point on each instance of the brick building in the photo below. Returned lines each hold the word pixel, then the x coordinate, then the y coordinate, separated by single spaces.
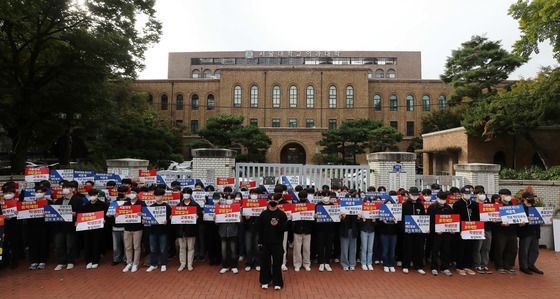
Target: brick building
pixel 296 95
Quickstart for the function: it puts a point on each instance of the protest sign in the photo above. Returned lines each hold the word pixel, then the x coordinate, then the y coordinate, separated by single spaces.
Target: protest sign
pixel 350 205
pixel 9 208
pixel 36 174
pixel 328 213
pixel 183 215
pixel 228 213
pixel 303 212
pixel 390 212
pixel 147 176
pixel 489 212
pixel 209 213
pixel 253 207
pixel 472 230
pixel 513 214
pixel 82 176
pixel 370 209
pixel 448 223
pixel 540 215
pixel 417 224
pixel 111 211
pixel 57 175
pixel 89 221
pixel 58 213
pixel 287 208
pixel 154 215
pixel 128 214
pixel 31 209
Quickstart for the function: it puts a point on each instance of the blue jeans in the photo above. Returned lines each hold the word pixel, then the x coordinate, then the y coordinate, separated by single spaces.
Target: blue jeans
pixel 348 250
pixel 366 252
pixel 158 245
pixel 388 244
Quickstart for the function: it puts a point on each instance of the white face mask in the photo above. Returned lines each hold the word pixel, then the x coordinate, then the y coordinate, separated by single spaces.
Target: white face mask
pixel 254 196
pixel 238 198
pixel 435 191
pixel 326 199
pixel 66 191
pixel 229 201
pixel 39 195
pixel 159 198
pixel 466 196
pixel 186 196
pixel 481 197
pixel 441 201
pixel 9 196
pixel 131 196
pixel 507 198
pixel 413 197
pixel 93 198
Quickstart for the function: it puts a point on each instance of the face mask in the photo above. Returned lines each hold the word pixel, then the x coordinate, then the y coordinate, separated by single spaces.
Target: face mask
pixel 186 196
pixel 39 195
pixel 66 191
pixel 159 198
pixel 229 201
pixel 326 199
pixel 531 201
pixel 507 198
pixel 253 196
pixel 481 197
pixel 273 203
pixel 435 191
pixel 9 196
pixel 93 198
pixel 131 195
pixel 238 198
pixel 413 198
pixel 441 201
pixel 466 196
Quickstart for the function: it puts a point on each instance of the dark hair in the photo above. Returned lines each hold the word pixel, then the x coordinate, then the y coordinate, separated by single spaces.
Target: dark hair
pixel 93 192
pixel 435 187
pixel 187 190
pixel 122 189
pixel 210 188
pixel 159 192
pixel 381 189
pixel 126 181
pixel 89 182
pixel 40 188
pixel 111 184
pixel 298 188
pixel 227 189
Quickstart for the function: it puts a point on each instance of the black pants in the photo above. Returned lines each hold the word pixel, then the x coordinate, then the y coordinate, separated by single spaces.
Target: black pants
pixel 213 243
pixel 377 249
pixel 528 252
pixel 464 252
pixel 272 253
pixel 505 250
pixel 413 250
pixel 441 247
pixel 36 234
pixel 13 243
pixel 65 244
pixel 92 245
pixel 335 253
pixel 324 246
pixel 229 252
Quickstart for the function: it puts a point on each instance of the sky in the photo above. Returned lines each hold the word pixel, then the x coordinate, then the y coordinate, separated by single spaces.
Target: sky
pixel 434 27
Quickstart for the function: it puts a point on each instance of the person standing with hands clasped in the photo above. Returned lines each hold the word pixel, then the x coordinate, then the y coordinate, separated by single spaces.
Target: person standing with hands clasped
pixel 529 235
pixel 272 223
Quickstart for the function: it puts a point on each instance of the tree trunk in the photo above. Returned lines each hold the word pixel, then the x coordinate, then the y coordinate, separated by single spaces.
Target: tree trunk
pixel 538 150
pixel 19 154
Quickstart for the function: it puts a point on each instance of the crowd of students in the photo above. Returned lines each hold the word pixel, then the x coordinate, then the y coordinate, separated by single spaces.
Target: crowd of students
pixel 351 241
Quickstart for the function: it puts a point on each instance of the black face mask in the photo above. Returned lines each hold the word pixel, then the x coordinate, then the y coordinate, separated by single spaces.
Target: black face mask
pixel 303 199
pixel 531 201
pixel 273 203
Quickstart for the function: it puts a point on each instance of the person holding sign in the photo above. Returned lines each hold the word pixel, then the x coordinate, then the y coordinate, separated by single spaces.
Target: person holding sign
pixel 13 243
pixel 441 242
pixel 464 207
pixel 505 235
pixel 348 229
pixel 389 230
pixel 302 238
pixel 36 231
pixel 413 243
pixel 92 238
pixel 251 236
pixel 367 236
pixel 117 229
pixel 65 232
pixel 481 250
pixel 158 235
pixel 186 233
pixel 324 232
pixel 133 237
pixel 228 234
pixel 529 235
pixel 272 224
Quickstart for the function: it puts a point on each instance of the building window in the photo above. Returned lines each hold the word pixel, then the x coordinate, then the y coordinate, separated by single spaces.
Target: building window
pixel 442 102
pixel 292 122
pixel 332 96
pixel 164 102
pixel 178 123
pixel 194 126
pixel 196 74
pixel 377 102
pixel 409 128
pixel 309 123
pixel 254 96
pixel 332 124
pixel 349 97
pixel 409 103
pixel 179 102
pixel 394 125
pixel 393 103
pixel 150 99
pixel 293 96
pixel 310 97
pixel 210 102
pixel 426 103
pixel 207 74
pixel 276 96
pixel 391 74
pixel 217 74
pixel 237 96
pixel 195 102
pixel 379 74
pixel 254 122
pixel 276 123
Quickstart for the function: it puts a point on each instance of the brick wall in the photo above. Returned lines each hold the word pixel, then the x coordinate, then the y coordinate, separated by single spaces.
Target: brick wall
pixel 549 191
pixel 212 168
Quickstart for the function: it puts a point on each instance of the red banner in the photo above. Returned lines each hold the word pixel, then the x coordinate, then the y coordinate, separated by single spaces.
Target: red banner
pixel 225 181
pixel 125 210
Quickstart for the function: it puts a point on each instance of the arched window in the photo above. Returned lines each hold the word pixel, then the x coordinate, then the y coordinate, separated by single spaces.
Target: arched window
pixel 164 102
pixel 195 102
pixel 237 96
pixel 426 103
pixel 293 96
pixel 210 102
pixel 217 74
pixel 196 74
pixel 377 102
pixel 370 75
pixel 310 103
pixel 393 103
pixel 179 102
pixel 276 96
pixel 254 96
pixel 332 96
pixel 379 74
pixel 409 103
pixel 207 74
pixel 391 74
pixel 442 102
pixel 349 96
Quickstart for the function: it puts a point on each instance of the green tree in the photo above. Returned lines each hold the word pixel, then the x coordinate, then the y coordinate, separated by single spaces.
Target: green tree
pixel 443 119
pixel 477 68
pixel 384 139
pixel 538 22
pixel 55 59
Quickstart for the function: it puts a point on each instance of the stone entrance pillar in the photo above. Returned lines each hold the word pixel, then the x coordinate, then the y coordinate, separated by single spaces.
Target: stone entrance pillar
pixel 127 167
pixel 483 174
pixel 393 170
pixel 209 164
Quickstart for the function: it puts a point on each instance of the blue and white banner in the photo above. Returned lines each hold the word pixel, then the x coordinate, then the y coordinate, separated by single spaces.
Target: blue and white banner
pixel 154 215
pixel 540 215
pixel 101 179
pixel 82 176
pixel 290 180
pixel 328 213
pixel 58 213
pixel 513 214
pixel 113 207
pixel 375 196
pixel 28 194
pixel 57 175
pixel 350 205
pixel 209 213
pixel 199 197
pixel 390 212
pixel 417 224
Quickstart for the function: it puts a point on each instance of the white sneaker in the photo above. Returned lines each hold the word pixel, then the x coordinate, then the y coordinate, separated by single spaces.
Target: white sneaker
pixel 33 266
pixel 328 268
pixel 258 268
pixel 307 268
pixel 190 268
pixel 337 260
pixel 264 286
pixel 434 273
pixel 127 268
pixel 345 268
pixel 234 270
pixel 163 268
pixel 94 266
pixel 134 268
pixel 284 268
pixel 392 269
pixel 58 267
pixel 247 269
pixel 421 271
pixel 223 270
pixel 241 258
pixel 297 269
pixel 277 288
pixel 69 266
pixel 352 268
pixel 321 267
pixel 405 270
pixel 42 266
pixel 447 272
pixel 399 264
pixel 364 267
pixel 386 269
pixel 151 268
pixel 181 268
pixel 370 267
pixel 88 266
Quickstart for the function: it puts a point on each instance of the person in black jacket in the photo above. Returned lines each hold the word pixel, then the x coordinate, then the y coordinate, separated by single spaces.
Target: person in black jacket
pixel 324 232
pixel 186 233
pixel 505 239
pixel 158 235
pixel 529 235
pixel 65 232
pixel 251 237
pixel 92 238
pixel 272 224
pixel 302 239
pixel 464 207
pixel 441 242
pixel 389 231
pixel 349 230
pixel 35 232
pixel 413 244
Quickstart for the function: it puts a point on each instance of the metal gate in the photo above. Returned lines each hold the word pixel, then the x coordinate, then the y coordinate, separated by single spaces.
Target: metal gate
pixel 351 176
